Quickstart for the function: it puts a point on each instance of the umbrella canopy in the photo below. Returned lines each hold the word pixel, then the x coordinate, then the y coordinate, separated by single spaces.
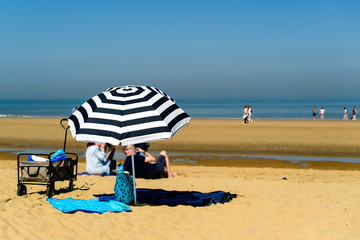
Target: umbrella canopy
pixel 127 115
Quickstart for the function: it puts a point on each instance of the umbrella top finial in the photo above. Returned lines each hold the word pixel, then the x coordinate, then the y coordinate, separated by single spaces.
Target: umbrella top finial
pixel 127 87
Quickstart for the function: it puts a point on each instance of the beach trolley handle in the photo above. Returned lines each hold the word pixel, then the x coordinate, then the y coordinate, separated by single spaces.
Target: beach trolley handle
pixel 66 129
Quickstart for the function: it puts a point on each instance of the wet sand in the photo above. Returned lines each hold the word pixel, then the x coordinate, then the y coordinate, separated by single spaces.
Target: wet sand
pixel 329 138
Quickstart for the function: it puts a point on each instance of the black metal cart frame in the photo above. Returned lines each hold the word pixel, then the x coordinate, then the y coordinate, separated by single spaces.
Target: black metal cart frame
pixel 47 172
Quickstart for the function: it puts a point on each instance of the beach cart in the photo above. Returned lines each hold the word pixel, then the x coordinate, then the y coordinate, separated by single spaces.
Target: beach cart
pixel 46 172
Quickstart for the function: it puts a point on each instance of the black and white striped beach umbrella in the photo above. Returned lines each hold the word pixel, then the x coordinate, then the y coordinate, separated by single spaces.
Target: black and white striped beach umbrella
pixel 127 115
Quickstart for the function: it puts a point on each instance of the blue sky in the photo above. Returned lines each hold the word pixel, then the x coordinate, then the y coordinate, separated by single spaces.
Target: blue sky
pixel 196 49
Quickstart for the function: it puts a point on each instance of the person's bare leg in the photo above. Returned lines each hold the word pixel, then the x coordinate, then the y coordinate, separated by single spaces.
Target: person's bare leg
pixel 170 173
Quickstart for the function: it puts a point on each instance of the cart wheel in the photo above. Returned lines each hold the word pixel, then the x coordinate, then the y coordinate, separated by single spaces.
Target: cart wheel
pixel 21 190
pixel 71 186
pixel 49 191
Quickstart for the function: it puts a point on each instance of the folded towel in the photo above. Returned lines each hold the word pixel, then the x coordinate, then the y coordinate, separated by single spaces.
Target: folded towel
pixel 58 155
pixel 34 158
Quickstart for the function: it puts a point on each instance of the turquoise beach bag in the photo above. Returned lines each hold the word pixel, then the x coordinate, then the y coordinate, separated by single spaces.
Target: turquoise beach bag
pixel 124 189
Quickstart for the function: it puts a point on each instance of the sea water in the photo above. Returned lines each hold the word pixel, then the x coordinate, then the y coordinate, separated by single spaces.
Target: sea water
pixel 198 108
pixel 268 109
pixel 38 108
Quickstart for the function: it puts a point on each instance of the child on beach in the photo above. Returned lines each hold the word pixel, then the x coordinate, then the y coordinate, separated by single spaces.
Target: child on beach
pixel 314 113
pixel 249 114
pixel 345 114
pixel 322 113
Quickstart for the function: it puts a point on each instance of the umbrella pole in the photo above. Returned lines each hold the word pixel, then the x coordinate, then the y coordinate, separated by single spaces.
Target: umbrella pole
pixel 133 171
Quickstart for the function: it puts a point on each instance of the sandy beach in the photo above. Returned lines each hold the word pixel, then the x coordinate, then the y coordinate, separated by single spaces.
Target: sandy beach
pixel 276 199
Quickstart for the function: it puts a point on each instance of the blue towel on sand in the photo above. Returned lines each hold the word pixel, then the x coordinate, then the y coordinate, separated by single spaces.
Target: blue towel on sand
pixel 174 198
pixel 95 205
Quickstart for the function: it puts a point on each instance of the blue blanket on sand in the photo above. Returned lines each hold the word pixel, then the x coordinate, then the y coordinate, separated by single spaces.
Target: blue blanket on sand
pixel 107 202
pixel 95 205
pixel 174 198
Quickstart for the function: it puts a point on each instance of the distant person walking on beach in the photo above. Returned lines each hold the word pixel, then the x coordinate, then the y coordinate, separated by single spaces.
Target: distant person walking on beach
pixel 245 115
pixel 354 112
pixel 345 114
pixel 249 114
pixel 314 113
pixel 322 113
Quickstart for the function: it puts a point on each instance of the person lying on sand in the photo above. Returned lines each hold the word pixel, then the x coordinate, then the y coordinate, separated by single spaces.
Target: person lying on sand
pixel 146 165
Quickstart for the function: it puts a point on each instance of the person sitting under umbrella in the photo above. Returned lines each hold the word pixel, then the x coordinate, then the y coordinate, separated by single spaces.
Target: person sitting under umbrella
pixel 146 165
pixel 97 160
